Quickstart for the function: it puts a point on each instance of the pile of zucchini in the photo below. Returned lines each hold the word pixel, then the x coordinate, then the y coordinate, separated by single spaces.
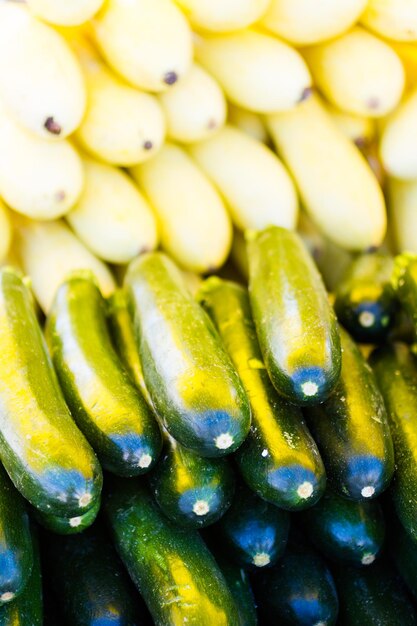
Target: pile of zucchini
pixel 234 457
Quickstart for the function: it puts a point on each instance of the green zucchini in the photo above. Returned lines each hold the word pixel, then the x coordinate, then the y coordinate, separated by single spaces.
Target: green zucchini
pixel 121 330
pixel 191 490
pixel 253 532
pixel 396 373
pixel 38 437
pixel 105 403
pixel 171 566
pixel 279 459
pixel 372 596
pixel 192 382
pixel 298 590
pixel 403 550
pixel 404 281
pixel 27 609
pixel 295 323
pixel 351 430
pixel 345 530
pixel 90 582
pixel 365 301
pixel 237 580
pixel 68 525
pixel 16 552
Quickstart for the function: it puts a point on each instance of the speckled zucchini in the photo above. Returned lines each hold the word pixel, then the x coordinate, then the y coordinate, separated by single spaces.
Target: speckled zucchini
pixel 37 434
pixel 404 282
pixel 254 533
pixel 345 530
pixel 396 373
pixel 106 405
pixel 295 324
pixel 191 490
pixel 279 459
pixel 192 382
pixel 90 582
pixel 16 552
pixel 238 582
pixel 352 432
pixel 171 566
pixel 365 301
pixel 68 525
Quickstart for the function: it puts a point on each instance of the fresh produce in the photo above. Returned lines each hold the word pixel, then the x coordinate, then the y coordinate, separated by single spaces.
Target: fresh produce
pixel 394 19
pixel 278 460
pixel 191 380
pixel 403 551
pixel 351 430
pixel 171 566
pixel 68 525
pixel 364 300
pixel 237 580
pixel 253 532
pixel 37 434
pixel 64 13
pixel 222 15
pixel 403 213
pixel 397 147
pixel 295 324
pixel 404 280
pixel 104 402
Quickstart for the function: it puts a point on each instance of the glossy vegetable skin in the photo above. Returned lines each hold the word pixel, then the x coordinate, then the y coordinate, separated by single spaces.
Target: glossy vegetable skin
pixel 191 380
pixel 404 281
pixel 90 582
pixel 16 552
pixel 396 373
pixel 352 432
pixel 279 459
pixel 68 525
pixel 254 533
pixel 345 530
pixel 191 490
pixel 104 401
pixel 403 550
pixel 295 324
pixel 239 584
pixel 172 568
pixel 37 434
pixel 365 302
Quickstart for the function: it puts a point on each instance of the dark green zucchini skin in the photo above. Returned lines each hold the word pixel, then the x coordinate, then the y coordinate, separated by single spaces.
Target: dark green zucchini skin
pixel 365 302
pixel 351 430
pixel 295 323
pixel 171 566
pixel 68 525
pixel 191 490
pixel 372 596
pixel 38 436
pixel 396 373
pixel 237 580
pixel 90 582
pixel 279 459
pixel 403 550
pixel 345 530
pixel 106 405
pixel 121 330
pixel 193 385
pixel 27 609
pixel 16 552
pixel 404 281
pixel 299 589
pixel 254 533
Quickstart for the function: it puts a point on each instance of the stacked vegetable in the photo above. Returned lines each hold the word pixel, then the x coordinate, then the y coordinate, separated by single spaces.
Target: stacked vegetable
pixel 208 398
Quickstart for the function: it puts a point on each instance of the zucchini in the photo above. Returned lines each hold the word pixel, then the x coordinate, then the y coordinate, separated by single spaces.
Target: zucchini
pixel 403 550
pixel 90 582
pixel 192 382
pixel 171 566
pixel 27 609
pixel 404 281
pixel 365 301
pixel 396 373
pixel 372 596
pixel 191 490
pixel 298 590
pixel 279 459
pixel 37 434
pixel 68 525
pixel 345 530
pixel 106 405
pixel 237 580
pixel 16 552
pixel 121 330
pixel 351 430
pixel 295 324
pixel 253 532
